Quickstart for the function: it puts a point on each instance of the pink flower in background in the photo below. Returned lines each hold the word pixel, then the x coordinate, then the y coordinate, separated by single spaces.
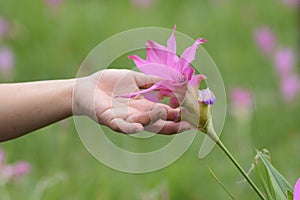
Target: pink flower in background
pixel 2 157
pixel 4 27
pixel 20 169
pixel 12 172
pixel 241 102
pixel 297 190
pixel 7 60
pixel 265 39
pixel 290 86
pixel 284 61
pixel 53 3
pixel 176 73
pixel 142 3
pixel 291 2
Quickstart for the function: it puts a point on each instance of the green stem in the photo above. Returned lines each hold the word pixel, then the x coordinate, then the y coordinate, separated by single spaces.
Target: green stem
pixel 211 133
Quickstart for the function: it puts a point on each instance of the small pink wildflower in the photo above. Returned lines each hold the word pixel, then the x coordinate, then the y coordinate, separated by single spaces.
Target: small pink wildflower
pixel 265 39
pixel 284 61
pixel 53 3
pixel 4 27
pixel 7 60
pixel 290 86
pixel 241 102
pixel 142 3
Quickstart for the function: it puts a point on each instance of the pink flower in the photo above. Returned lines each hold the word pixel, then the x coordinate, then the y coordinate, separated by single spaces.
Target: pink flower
pixel 142 3
pixel 241 102
pixel 284 61
pixel 20 169
pixel 290 86
pixel 176 73
pixel 4 27
pixel 7 60
pixel 297 190
pixel 291 2
pixel 265 39
pixel 54 3
pixel 2 156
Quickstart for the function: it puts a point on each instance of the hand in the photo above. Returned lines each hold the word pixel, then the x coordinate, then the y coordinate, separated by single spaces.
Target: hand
pixel 97 97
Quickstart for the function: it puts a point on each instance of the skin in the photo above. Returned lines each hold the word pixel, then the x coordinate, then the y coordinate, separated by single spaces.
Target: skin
pixel 26 107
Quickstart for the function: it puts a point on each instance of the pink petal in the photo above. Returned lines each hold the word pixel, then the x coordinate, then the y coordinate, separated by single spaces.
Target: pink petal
pixel 172 42
pixel 297 190
pixel 156 53
pixel 172 58
pixel 189 55
pixel 174 103
pixel 130 95
pixel 161 70
pixel 196 80
pixel 188 72
pixel 138 61
pixel 152 96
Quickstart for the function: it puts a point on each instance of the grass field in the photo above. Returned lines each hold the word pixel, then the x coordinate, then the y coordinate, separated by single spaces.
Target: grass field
pixel 51 42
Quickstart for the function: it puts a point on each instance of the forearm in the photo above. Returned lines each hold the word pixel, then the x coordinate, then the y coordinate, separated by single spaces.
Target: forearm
pixel 25 107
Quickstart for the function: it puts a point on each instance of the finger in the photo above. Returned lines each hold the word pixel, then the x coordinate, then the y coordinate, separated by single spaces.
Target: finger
pixel 144 81
pixel 169 127
pixel 145 118
pixel 144 105
pixel 123 126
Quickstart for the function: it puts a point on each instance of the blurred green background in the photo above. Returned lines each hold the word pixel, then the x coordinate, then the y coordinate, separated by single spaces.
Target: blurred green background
pixel 50 40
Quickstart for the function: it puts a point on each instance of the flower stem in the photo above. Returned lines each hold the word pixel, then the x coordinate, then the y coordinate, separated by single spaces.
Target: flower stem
pixel 211 133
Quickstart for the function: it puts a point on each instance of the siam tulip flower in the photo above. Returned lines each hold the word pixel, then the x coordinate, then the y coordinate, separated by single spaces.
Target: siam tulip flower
pixel 179 82
pixel 7 60
pixel 241 103
pixel 297 190
pixel 290 86
pixel 265 39
pixel 178 76
pixel 284 61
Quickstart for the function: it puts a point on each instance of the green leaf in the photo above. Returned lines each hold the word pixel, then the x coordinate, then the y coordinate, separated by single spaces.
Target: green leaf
pixel 290 195
pixel 279 183
pixel 264 181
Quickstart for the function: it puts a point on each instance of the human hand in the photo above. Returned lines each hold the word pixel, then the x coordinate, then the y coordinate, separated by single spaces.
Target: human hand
pixel 97 97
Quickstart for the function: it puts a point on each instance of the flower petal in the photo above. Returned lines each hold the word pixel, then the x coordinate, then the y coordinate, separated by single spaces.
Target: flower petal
pixel 152 96
pixel 297 190
pixel 134 94
pixel 161 70
pixel 137 60
pixel 172 58
pixel 189 55
pixel 188 73
pixel 196 80
pixel 174 103
pixel 156 53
